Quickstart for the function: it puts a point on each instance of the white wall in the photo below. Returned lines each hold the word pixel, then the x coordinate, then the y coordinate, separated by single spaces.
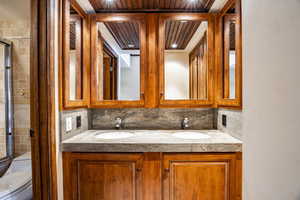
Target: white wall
pixel 271 43
pixel 176 75
pixel 72 68
pixel 129 79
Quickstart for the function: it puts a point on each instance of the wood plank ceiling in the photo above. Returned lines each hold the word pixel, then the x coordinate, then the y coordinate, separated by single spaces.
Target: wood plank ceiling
pixel 151 5
pixel 180 33
pixel 126 33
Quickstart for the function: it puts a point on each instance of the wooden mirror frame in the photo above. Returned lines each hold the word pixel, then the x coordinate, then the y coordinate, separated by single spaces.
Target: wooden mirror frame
pixel 220 58
pixel 161 47
pixel 66 103
pixel 141 19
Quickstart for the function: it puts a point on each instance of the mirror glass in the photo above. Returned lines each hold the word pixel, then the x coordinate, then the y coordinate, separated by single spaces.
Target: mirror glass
pixel 2 104
pixel 118 60
pixel 76 61
pixel 186 60
pixel 229 72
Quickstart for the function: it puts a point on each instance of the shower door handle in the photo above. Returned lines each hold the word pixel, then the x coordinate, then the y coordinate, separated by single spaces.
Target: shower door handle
pixel 31 132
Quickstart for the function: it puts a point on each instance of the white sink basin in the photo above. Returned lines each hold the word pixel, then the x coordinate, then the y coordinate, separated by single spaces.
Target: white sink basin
pixel 190 135
pixel 113 135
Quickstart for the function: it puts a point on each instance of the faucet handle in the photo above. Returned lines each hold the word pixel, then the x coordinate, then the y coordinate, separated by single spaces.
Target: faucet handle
pixel 118 119
pixel 185 123
pixel 118 122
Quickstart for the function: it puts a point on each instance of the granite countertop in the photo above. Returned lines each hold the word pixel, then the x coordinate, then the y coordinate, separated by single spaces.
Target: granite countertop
pixel 152 141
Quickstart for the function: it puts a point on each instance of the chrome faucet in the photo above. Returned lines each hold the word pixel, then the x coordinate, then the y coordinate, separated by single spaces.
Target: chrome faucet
pixel 118 123
pixel 185 123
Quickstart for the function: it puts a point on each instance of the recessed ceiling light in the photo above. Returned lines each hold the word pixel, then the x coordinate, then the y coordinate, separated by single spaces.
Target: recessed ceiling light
pixel 131 45
pixel 109 1
pixel 183 21
pixel 174 46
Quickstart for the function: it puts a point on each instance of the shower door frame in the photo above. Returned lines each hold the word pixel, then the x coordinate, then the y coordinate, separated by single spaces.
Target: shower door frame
pixel 42 99
pixel 9 117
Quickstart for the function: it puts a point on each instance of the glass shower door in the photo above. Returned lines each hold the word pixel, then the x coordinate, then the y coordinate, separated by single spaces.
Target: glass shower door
pixel 6 106
pixel 2 103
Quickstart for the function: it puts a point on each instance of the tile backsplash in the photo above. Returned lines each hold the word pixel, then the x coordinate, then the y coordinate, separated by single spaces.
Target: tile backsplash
pixel 234 122
pixel 73 114
pixel 157 118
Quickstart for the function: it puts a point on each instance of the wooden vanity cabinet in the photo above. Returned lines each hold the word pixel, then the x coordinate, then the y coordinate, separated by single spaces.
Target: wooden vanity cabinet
pixel 102 176
pixel 152 176
pixel 199 177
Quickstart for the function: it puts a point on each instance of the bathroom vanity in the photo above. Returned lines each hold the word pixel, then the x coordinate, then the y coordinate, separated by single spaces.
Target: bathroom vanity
pixel 152 165
pixel 169 72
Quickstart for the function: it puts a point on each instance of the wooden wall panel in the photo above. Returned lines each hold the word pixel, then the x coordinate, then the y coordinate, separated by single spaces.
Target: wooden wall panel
pixel 199 70
pixel 42 100
pixel 152 93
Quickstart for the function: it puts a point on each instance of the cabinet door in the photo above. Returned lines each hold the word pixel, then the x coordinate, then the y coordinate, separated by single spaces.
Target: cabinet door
pixel 199 177
pixel 102 176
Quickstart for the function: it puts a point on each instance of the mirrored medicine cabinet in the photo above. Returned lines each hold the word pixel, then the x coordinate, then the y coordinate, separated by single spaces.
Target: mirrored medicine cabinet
pixel 186 59
pixel 75 62
pixel 229 56
pixel 124 60
pixel 118 60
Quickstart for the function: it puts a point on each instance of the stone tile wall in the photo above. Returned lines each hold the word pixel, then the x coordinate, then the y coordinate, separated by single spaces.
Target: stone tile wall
pixel 18 31
pixel 84 113
pixel 234 122
pixel 158 118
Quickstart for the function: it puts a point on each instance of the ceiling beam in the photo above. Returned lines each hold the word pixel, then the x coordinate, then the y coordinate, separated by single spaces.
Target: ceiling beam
pixel 86 6
pixel 210 6
pixel 154 11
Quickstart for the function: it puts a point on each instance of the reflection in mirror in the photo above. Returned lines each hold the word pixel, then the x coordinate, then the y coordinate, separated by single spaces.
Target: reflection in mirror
pixel 232 60
pixel 186 60
pixel 118 60
pixel 229 55
pixel 75 65
pixel 2 104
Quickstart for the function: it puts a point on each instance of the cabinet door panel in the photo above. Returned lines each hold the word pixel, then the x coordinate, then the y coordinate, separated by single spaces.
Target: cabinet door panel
pixel 199 177
pixel 199 181
pixel 106 180
pixel 106 176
